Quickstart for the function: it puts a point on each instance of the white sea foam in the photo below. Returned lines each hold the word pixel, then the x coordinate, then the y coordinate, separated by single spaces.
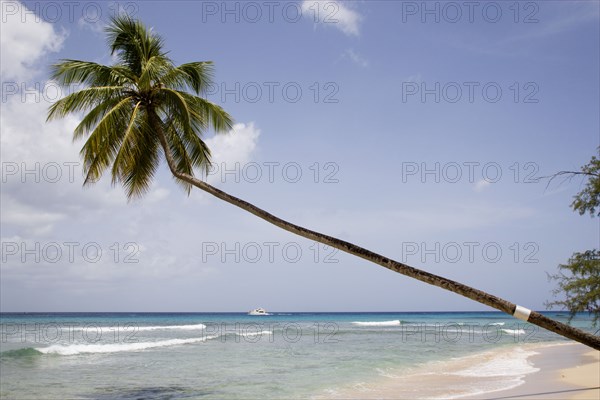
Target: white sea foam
pixel 73 349
pixel 511 364
pixel 395 322
pixel 173 327
pixel 497 323
pixel 494 371
pixel 253 334
pixel 387 373
pixel 485 373
pixel 514 331
pixel 131 327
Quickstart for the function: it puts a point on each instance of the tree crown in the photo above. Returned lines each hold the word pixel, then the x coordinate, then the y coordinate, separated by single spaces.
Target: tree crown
pixel 127 102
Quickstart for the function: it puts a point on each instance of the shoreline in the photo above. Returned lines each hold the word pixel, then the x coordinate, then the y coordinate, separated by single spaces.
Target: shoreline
pixel 527 371
pixel 566 371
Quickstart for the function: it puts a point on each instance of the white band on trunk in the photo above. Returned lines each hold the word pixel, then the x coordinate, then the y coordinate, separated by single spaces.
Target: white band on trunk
pixel 522 313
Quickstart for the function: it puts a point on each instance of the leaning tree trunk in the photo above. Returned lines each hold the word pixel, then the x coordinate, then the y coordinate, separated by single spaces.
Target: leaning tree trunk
pixel 404 269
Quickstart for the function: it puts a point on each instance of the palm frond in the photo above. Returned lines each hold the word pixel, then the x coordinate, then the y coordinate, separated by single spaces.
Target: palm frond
pixel 195 76
pixel 100 149
pixel 189 143
pixel 153 71
pixel 126 154
pixel 133 44
pixel 214 115
pixel 139 157
pixel 198 152
pixel 69 72
pixel 175 106
pixel 206 114
pixel 179 152
pixel 84 100
pixel 94 116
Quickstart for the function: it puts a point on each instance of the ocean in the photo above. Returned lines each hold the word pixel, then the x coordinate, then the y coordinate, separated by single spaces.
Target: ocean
pixel 281 355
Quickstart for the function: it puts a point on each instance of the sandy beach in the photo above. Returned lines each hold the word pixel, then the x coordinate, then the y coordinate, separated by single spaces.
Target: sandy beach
pixel 566 371
pixel 531 371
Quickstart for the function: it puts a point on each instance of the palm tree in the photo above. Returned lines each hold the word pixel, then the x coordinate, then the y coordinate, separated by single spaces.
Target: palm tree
pixel 141 108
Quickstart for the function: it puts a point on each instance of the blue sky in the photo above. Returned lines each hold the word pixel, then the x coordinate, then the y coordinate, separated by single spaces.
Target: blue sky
pixel 413 129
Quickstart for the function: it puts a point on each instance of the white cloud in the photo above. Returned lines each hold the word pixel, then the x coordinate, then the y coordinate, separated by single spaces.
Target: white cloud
pixel 96 27
pixel 26 137
pixel 35 221
pixel 25 38
pixel 333 13
pixel 157 193
pixel 236 146
pixel 41 167
pixel 481 185
pixel 38 207
pixel 40 158
pixel 356 58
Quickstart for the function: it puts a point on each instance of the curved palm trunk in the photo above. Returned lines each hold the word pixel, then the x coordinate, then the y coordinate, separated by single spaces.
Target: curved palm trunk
pixel 453 286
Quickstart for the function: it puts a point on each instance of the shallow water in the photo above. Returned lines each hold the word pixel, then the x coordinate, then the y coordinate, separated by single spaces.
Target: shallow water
pixel 230 355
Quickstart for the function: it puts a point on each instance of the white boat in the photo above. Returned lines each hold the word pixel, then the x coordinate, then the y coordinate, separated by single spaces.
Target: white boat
pixel 258 311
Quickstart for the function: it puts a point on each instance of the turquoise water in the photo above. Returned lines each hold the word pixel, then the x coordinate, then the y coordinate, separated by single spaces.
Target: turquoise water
pixel 233 355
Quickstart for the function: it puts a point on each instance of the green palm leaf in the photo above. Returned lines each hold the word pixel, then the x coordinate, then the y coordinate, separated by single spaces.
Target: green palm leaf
pixel 195 76
pixel 127 103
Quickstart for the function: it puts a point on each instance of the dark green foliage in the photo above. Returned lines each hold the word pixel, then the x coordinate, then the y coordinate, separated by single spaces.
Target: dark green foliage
pixel 579 282
pixel 588 200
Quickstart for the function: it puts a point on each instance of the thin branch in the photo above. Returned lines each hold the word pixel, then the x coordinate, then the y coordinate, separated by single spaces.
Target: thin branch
pixel 567 176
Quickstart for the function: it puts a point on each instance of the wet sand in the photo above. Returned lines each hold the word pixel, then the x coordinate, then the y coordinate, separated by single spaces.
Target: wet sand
pixel 566 371
pixel 532 371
